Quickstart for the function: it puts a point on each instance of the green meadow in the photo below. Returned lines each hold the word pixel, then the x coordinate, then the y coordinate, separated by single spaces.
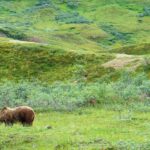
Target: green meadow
pixel 92 128
pixel 83 66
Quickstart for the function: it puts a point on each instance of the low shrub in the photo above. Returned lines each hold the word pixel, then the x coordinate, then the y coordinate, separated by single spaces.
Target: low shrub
pixel 72 4
pixel 40 5
pixel 146 12
pixel 115 34
pixel 71 95
pixel 13 33
pixel 146 64
pixel 69 18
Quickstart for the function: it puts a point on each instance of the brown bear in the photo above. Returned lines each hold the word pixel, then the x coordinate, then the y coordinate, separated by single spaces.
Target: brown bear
pixel 22 114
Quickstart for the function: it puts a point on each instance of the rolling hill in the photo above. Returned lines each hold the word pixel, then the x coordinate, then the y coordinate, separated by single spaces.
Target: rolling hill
pixel 54 40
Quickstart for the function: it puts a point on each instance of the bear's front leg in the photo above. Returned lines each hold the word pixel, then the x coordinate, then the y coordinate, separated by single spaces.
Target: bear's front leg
pixel 10 124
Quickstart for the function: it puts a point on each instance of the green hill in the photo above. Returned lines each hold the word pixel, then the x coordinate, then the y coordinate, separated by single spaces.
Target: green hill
pixel 64 36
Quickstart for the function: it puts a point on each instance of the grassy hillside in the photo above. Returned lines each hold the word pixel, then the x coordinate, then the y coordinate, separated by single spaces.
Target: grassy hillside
pixel 88 31
pixel 46 63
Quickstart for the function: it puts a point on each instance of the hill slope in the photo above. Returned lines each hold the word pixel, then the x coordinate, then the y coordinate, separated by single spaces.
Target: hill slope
pixel 68 36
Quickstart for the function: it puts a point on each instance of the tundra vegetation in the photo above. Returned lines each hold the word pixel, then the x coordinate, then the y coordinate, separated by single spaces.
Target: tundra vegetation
pixel 84 66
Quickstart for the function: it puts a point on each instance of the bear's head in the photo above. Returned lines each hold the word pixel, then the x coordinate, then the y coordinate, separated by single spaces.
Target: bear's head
pixel 3 113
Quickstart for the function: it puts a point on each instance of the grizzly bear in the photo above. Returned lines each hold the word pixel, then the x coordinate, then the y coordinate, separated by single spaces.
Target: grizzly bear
pixel 22 114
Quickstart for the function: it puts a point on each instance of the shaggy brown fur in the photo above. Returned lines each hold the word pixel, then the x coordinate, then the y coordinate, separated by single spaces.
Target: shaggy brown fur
pixel 22 114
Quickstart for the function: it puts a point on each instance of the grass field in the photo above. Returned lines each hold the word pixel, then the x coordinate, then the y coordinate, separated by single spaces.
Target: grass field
pixel 58 56
pixel 87 129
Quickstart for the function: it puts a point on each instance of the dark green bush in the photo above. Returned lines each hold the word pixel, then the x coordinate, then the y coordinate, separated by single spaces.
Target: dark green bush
pixel 72 3
pixel 146 12
pixel 41 4
pixel 74 18
pixel 115 34
pixel 13 33
pixel 146 64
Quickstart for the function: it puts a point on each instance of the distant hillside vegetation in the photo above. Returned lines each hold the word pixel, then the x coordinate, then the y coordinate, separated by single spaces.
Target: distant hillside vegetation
pixel 72 39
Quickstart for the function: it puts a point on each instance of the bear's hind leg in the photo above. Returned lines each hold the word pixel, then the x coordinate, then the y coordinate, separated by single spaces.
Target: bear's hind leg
pixel 26 124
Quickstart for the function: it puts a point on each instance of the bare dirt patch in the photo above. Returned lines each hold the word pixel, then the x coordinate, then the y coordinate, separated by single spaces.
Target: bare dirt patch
pixel 124 60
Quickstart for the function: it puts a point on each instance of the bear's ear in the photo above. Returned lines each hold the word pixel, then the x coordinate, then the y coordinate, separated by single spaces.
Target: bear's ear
pixel 4 108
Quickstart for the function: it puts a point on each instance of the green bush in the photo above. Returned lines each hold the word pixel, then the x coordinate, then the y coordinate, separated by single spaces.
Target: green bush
pixel 69 18
pixel 43 2
pixel 146 12
pixel 13 33
pixel 59 96
pixel 71 95
pixel 146 64
pixel 115 34
pixel 72 3
pixel 131 89
pixel 40 4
